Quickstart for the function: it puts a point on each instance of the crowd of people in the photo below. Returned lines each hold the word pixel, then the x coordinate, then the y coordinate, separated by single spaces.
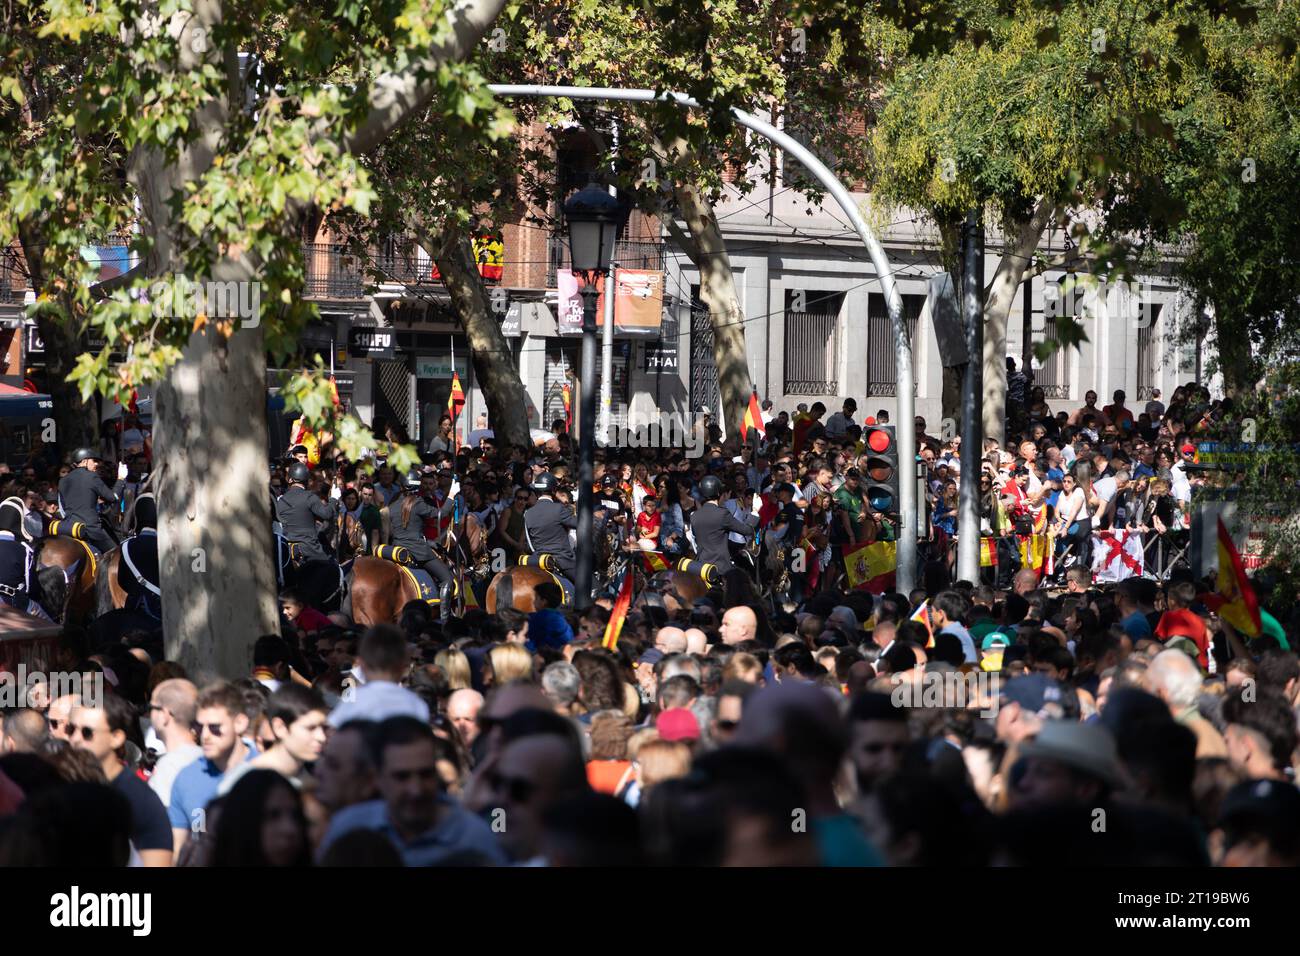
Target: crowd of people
pixel 1029 717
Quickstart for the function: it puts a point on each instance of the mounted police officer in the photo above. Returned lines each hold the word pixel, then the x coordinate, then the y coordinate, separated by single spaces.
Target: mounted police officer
pixel 17 559
pixel 80 492
pixel 298 510
pixel 711 523
pixel 407 516
pixel 547 525
pixel 140 557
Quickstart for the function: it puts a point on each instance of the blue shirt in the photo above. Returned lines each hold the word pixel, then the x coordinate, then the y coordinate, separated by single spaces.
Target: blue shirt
pixel 458 832
pixel 841 842
pixel 1054 474
pixel 195 786
pixel 548 628
pixel 1136 626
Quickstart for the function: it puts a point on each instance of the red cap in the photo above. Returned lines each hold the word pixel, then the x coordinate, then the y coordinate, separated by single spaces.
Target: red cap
pixel 677 724
pixel 870 420
pixel 1189 448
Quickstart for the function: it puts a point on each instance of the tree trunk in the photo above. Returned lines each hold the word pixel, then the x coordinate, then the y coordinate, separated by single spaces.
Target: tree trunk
pixel 493 368
pixel 76 422
pixel 997 307
pixel 1232 346
pixel 718 292
pixel 214 507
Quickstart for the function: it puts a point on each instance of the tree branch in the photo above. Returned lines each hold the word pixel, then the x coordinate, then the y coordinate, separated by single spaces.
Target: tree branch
pixel 395 97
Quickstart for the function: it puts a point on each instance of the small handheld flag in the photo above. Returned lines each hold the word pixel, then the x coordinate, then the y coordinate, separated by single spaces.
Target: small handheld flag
pixel 1240 606
pixel 619 614
pixel 922 616
pixel 753 418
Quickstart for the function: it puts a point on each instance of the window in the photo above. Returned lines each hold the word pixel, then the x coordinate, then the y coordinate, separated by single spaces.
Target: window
pixel 882 368
pixel 812 342
pixel 1148 350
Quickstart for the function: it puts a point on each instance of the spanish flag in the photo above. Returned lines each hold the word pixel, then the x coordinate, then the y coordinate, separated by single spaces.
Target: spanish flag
pixel 753 418
pixel 1240 606
pixel 802 423
pixel 566 393
pixel 988 552
pixel 654 562
pixel 456 400
pixel 922 616
pixel 871 567
pixel 1033 552
pixel 616 618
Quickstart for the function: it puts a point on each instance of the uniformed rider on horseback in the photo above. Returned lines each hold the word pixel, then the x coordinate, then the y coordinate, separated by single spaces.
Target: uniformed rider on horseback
pixel 298 510
pixel 17 559
pixel 711 523
pixel 408 515
pixel 547 525
pixel 80 492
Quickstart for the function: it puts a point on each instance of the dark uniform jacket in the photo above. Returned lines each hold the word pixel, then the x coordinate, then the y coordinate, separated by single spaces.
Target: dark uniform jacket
pixel 16 559
pixel 297 510
pixel 411 535
pixel 80 491
pixel 547 525
pixel 710 525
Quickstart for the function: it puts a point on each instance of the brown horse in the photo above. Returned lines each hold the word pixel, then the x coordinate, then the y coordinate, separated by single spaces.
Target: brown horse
pixel 378 590
pixel 73 602
pixel 516 587
pixel 678 590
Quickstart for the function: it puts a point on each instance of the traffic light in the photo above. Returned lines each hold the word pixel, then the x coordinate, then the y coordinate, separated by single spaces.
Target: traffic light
pixel 882 468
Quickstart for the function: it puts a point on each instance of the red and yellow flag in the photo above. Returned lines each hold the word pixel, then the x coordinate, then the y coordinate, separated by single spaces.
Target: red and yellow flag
pixel 1033 552
pixel 566 392
pixel 922 616
pixel 753 418
pixel 801 425
pixel 617 616
pixel 1240 606
pixel 456 400
pixel 988 552
pixel 654 562
pixel 871 567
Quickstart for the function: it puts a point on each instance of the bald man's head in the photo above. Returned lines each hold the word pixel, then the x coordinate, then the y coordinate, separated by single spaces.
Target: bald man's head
pixel 697 642
pixel 25 732
pixel 739 624
pixel 1025 581
pixel 671 640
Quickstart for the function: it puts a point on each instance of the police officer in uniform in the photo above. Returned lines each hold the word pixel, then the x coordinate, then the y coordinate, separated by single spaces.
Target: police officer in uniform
pixel 298 510
pixel 547 525
pixel 408 515
pixel 609 501
pixel 80 492
pixel 17 559
pixel 140 555
pixel 711 523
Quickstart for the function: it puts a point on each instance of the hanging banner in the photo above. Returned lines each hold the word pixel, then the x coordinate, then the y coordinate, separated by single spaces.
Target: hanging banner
pixel 638 303
pixel 489 256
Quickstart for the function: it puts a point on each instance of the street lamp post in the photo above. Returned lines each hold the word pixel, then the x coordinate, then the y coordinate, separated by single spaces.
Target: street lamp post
pixel 594 218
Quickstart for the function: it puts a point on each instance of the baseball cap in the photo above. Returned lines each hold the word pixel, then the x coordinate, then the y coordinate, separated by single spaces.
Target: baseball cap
pixel 1033 692
pixel 996 639
pixel 677 724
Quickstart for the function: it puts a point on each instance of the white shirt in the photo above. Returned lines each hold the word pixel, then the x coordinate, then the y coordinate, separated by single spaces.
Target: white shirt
pixel 1065 507
pixel 1068 456
pixel 169 765
pixel 378 700
pixel 1104 488
pixel 1180 487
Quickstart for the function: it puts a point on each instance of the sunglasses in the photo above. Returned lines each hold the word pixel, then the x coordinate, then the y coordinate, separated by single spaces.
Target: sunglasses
pixel 728 725
pixel 516 789
pixel 215 730
pixel 87 733
pixel 55 724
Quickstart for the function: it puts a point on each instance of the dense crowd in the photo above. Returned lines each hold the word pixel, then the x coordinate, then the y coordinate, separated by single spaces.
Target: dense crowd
pixel 1029 717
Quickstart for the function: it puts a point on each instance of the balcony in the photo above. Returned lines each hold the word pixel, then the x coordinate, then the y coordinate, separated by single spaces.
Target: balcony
pixel 628 254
